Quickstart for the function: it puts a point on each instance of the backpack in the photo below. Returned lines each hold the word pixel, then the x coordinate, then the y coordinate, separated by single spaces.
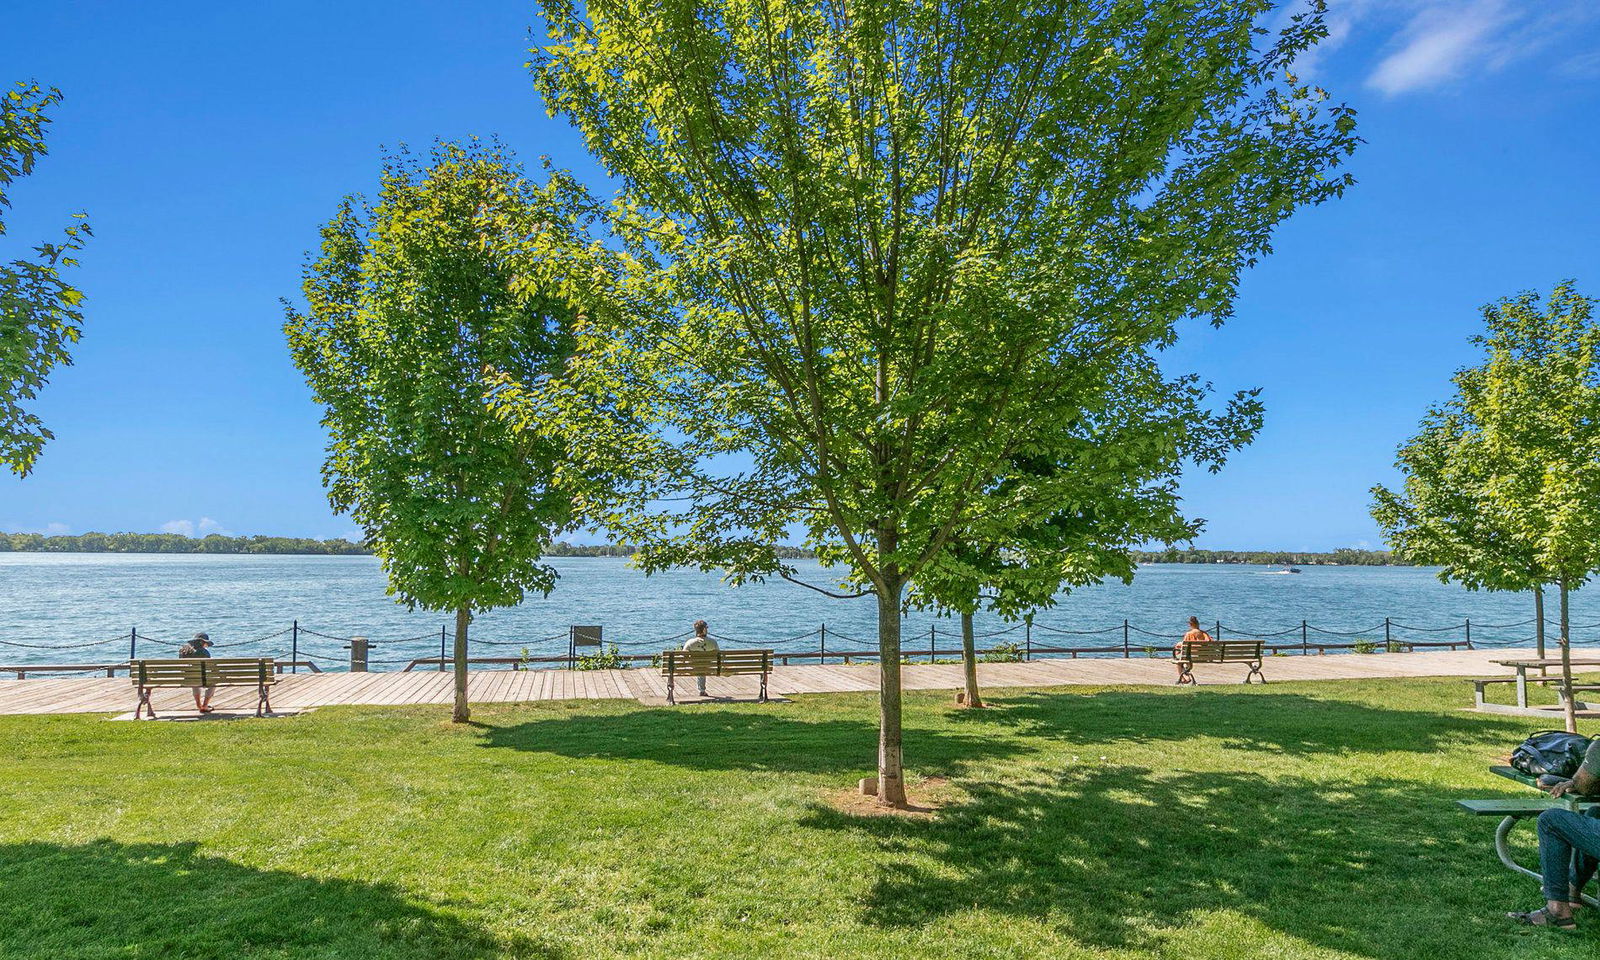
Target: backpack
pixel 1553 752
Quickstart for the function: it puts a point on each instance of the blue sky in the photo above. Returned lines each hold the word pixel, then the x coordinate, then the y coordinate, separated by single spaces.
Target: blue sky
pixel 207 141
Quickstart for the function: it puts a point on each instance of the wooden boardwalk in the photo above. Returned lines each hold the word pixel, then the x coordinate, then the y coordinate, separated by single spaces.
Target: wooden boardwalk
pixel 306 690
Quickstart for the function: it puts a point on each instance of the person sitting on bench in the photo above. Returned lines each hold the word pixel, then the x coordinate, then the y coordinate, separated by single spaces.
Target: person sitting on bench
pixel 700 643
pixel 1195 634
pixel 1569 847
pixel 197 648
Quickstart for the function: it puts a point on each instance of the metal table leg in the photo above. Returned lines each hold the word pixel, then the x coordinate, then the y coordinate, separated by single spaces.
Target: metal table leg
pixel 1503 850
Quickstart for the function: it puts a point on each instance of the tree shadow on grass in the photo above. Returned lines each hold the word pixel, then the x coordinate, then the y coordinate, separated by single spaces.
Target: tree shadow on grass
pixel 1133 858
pixel 1289 722
pixel 168 900
pixel 747 739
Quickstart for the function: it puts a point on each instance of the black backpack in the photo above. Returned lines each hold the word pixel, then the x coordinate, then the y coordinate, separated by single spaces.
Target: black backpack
pixel 1553 752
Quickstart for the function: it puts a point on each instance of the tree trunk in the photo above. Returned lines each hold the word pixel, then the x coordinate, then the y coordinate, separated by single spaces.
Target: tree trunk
pixel 1566 664
pixel 891 774
pixel 969 661
pixel 461 712
pixel 1538 623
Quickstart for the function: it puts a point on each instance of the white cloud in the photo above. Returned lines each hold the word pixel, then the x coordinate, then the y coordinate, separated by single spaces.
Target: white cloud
pixel 1427 44
pixel 1584 66
pixel 1440 43
pixel 48 530
pixel 193 528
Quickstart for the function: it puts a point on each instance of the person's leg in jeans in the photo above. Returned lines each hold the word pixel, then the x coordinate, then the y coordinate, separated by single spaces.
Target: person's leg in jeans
pixel 1584 864
pixel 1563 833
pixel 701 682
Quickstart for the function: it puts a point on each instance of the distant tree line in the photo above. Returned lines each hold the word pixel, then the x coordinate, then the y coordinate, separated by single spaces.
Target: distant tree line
pixel 173 543
pixel 217 543
pixel 1347 557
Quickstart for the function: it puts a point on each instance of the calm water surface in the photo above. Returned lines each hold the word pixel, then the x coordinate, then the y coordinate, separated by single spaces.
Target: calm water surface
pixel 61 599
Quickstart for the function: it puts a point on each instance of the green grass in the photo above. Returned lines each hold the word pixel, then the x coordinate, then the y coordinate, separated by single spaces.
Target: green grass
pixel 1292 820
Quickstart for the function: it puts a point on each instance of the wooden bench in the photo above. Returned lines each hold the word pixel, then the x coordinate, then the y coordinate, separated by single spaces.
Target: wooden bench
pixel 714 663
pixel 258 672
pixel 1188 654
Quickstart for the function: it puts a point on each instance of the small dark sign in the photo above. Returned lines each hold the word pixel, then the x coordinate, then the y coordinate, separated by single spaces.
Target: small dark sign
pixel 586 636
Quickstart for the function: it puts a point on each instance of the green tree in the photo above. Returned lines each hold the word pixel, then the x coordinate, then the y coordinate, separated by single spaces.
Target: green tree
pixel 40 318
pixel 1537 400
pixel 421 307
pixel 1066 514
pixel 1501 482
pixel 1443 516
pixel 867 250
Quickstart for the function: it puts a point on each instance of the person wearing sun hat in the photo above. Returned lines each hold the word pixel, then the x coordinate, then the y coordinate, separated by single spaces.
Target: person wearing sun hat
pixel 197 648
pixel 700 642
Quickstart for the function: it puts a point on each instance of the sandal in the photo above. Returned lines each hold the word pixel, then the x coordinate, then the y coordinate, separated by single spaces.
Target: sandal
pixel 1542 917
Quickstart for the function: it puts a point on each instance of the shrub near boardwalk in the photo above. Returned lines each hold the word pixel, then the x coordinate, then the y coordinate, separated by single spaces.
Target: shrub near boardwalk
pixel 1129 823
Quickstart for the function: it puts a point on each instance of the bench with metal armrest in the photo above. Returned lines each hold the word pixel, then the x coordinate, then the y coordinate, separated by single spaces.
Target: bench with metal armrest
pixel 1189 653
pixel 714 663
pixel 258 672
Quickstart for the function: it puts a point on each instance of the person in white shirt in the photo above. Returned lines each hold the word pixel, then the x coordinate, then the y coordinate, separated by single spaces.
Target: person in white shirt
pixel 700 642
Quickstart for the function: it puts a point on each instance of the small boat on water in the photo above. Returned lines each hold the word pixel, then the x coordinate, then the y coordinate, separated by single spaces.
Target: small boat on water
pixel 1285 570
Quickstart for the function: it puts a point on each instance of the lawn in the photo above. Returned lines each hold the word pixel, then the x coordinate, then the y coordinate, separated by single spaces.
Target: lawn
pixel 1292 820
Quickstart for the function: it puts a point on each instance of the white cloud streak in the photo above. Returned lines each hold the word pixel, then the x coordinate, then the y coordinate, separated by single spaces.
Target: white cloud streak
pixel 193 528
pixel 1425 45
pixel 1440 44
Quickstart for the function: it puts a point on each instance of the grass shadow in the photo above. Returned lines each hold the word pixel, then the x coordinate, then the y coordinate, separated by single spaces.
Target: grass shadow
pixel 1127 857
pixel 169 900
pixel 1294 723
pixel 734 739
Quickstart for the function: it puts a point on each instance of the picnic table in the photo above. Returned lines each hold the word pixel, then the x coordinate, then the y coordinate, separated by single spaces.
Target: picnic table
pixel 1522 666
pixel 1513 812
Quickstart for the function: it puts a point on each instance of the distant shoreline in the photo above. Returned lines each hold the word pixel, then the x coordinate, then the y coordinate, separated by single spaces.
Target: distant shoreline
pixel 172 543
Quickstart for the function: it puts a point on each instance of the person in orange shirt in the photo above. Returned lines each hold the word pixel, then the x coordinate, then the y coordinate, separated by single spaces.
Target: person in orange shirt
pixel 1195 635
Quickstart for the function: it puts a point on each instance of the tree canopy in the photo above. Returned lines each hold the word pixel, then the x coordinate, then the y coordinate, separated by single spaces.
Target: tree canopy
pixel 1066 513
pixel 421 307
pixel 40 312
pixel 871 252
pixel 1501 482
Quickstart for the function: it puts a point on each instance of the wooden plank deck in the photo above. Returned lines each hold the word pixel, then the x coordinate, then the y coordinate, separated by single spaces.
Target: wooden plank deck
pixel 302 691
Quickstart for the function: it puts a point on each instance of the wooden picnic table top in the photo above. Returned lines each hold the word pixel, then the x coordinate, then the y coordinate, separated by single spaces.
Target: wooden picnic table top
pixel 1547 662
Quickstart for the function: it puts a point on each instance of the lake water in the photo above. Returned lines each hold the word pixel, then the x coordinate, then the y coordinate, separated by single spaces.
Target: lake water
pixel 57 600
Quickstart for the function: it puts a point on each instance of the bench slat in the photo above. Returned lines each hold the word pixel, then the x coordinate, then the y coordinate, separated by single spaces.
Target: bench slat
pixel 713 663
pixel 216 671
pixel 1519 807
pixel 1220 651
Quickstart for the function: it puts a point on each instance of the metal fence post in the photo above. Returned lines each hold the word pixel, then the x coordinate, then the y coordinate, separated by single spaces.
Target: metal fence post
pixel 933 641
pixel 1303 648
pixel 1126 653
pixel 133 643
pixel 294 647
pixel 1469 633
pixel 441 649
pixel 1027 634
pixel 1388 641
pixel 822 648
pixel 1218 634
